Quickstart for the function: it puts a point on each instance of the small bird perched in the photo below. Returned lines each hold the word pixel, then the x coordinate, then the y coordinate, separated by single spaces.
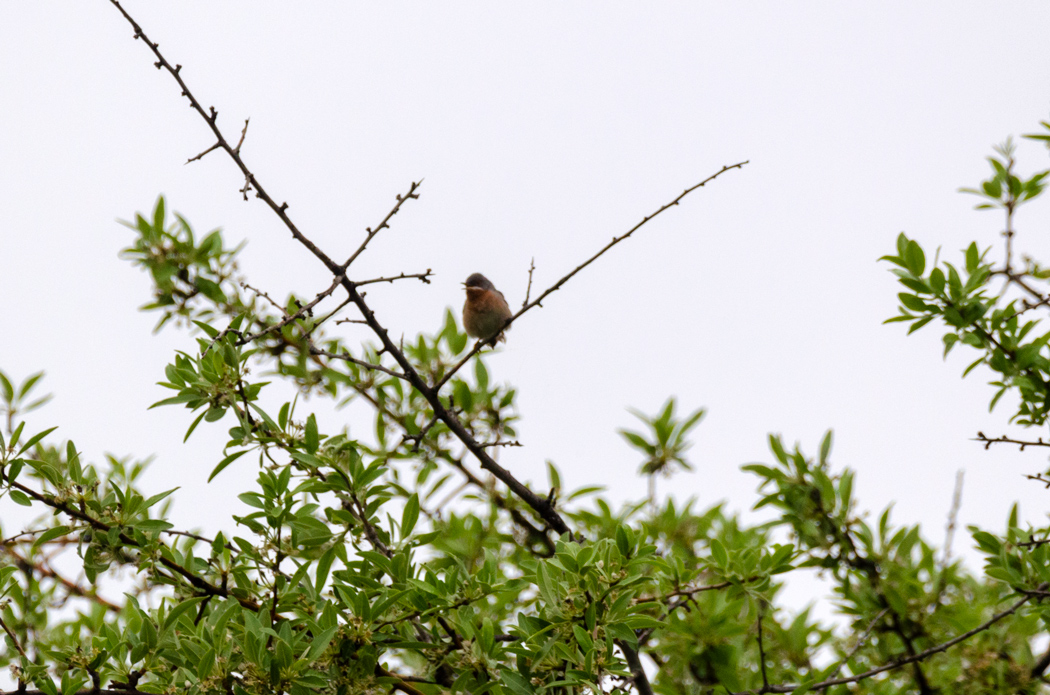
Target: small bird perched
pixel 485 310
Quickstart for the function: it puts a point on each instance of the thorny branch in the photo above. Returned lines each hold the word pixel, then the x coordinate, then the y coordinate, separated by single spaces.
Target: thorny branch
pixel 528 290
pixel 289 318
pixel 557 285
pixel 424 277
pixel 988 441
pixel 385 224
pixel 347 357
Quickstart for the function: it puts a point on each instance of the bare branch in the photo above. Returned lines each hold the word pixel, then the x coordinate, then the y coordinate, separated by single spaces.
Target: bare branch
pixel 14 639
pixel 244 131
pixel 512 442
pixel 289 318
pixel 528 290
pixel 201 155
pixel 953 517
pixel 424 277
pixel 211 119
pixel 347 357
pixel 556 286
pixel 384 224
pixel 988 441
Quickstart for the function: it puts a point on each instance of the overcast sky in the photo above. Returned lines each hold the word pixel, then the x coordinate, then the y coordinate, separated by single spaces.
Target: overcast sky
pixel 542 130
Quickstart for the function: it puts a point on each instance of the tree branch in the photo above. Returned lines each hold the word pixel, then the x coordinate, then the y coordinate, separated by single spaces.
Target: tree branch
pixel 988 441
pixel 424 277
pixel 557 285
pixel 385 224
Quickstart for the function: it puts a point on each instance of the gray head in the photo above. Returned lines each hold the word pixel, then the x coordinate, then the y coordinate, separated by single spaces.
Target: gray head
pixel 480 282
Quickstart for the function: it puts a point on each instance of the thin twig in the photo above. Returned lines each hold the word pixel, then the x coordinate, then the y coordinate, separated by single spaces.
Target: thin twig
pixel 988 441
pixel 201 155
pixel 528 290
pixel 244 131
pixel 512 442
pixel 1038 477
pixel 401 199
pixel 289 318
pixel 953 516
pixel 424 277
pixel 859 643
pixel 347 357
pixel 13 638
pixel 28 534
pixel 689 593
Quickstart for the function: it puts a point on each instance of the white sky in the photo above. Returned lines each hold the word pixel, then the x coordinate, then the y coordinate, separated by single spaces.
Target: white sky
pixel 542 130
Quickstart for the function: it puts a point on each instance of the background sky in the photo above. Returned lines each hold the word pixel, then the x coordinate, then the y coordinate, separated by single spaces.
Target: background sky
pixel 542 130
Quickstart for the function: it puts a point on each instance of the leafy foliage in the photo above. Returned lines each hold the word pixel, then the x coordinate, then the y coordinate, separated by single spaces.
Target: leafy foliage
pixel 365 565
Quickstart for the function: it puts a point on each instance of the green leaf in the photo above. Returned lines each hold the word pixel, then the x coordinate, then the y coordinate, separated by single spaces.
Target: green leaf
pixel 50 534
pixel 180 609
pixel 972 258
pixel 210 290
pixel 158 497
pixel 158 215
pixel 18 497
pixel 920 323
pixel 28 384
pixel 211 331
pixel 623 542
pixel 312 438
pixel 34 439
pixel 937 280
pixel 6 388
pixel 910 301
pixel 517 683
pixel 915 258
pixel 825 447
pixel 225 462
pixel 324 565
pixel 543 582
pixel 409 516
pixel 718 553
pixel 803 688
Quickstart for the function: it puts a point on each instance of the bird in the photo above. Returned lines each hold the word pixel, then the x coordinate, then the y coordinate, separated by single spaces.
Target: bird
pixel 485 310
